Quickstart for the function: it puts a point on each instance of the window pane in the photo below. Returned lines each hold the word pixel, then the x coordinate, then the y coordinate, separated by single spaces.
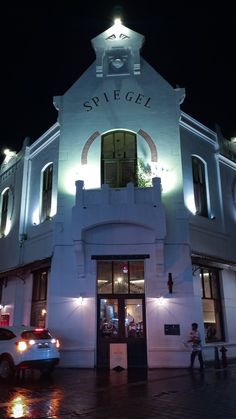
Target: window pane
pixel 119 145
pixel 120 277
pixel 104 278
pixel 127 172
pixel 211 321
pixel 214 285
pixel 110 173
pixel 201 285
pixel 133 318
pixel 40 279
pixel 109 322
pixel 38 314
pixel 136 277
pixel 108 147
pixel 199 186
pixel 130 145
pixel 39 298
pixel 212 306
pixel 5 201
pixel 47 192
pixel 43 286
pixel 206 282
pixel 118 158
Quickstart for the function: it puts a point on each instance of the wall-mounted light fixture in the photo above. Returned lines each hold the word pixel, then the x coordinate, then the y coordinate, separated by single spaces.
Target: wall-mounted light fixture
pixel 8 155
pixel 80 300
pixel 160 300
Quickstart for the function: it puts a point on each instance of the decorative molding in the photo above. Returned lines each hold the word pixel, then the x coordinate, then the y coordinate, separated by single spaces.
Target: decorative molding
pixel 84 155
pixel 150 143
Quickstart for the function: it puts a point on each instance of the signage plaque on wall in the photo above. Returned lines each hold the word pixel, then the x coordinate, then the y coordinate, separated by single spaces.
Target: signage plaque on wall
pixel 172 329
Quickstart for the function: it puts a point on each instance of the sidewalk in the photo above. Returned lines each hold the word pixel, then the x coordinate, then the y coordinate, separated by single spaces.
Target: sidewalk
pixel 159 394
pixel 139 394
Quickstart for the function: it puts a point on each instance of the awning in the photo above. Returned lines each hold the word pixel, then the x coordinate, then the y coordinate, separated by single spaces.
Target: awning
pixel 18 271
pixel 213 261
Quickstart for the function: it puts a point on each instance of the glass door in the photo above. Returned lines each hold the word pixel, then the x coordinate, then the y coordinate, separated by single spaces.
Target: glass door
pixel 121 319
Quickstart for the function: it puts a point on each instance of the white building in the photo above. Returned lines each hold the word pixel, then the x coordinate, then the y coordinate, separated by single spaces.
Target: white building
pixel 118 224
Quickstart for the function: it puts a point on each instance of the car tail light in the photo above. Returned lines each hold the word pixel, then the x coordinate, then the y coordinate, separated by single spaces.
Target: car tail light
pixel 57 343
pixel 21 345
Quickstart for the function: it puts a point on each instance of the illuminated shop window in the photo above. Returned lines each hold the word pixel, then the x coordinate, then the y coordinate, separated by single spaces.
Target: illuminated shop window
pixel 47 175
pixel 39 298
pixel 119 158
pixel 199 186
pixel 120 277
pixel 211 304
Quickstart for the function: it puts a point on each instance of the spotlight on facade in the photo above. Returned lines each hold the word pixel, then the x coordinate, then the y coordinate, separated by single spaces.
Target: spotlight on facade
pixel 190 203
pixel 117 21
pixel 8 154
pixel 80 300
pixel 160 300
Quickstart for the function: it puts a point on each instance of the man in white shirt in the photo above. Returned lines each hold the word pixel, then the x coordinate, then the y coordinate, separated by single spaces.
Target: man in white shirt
pixel 195 339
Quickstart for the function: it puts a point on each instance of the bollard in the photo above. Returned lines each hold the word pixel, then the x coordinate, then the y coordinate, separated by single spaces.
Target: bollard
pixel 217 359
pixel 223 351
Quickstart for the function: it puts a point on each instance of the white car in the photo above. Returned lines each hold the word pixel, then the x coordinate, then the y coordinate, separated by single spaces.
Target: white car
pixel 27 348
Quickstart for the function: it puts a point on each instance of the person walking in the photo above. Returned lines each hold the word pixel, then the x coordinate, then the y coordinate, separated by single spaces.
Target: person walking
pixel 195 340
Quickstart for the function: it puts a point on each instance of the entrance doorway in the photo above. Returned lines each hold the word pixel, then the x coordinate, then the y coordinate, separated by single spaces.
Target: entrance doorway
pixel 121 310
pixel 121 319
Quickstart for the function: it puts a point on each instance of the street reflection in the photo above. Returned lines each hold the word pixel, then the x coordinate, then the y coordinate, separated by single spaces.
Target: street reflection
pixel 31 405
pixel 18 407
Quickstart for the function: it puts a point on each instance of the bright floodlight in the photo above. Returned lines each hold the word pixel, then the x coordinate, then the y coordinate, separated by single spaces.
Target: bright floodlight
pixel 117 21
pixel 9 154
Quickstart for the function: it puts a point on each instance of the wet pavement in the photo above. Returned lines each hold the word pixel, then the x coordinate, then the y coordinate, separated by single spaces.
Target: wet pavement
pixel 86 393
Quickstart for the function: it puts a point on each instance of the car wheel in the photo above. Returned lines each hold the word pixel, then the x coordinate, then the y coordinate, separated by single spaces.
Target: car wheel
pixel 6 368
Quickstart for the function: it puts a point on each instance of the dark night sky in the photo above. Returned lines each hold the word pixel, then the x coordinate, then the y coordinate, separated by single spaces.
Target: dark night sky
pixel 45 48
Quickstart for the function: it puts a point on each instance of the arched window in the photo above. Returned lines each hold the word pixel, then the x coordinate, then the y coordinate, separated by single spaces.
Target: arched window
pixel 47 175
pixel 119 158
pixel 6 209
pixel 199 186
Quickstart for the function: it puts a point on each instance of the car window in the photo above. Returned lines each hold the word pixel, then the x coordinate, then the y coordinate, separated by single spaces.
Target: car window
pixel 6 334
pixel 37 334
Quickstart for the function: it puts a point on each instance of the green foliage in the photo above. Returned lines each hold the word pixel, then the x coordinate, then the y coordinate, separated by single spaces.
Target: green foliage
pixel 144 174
